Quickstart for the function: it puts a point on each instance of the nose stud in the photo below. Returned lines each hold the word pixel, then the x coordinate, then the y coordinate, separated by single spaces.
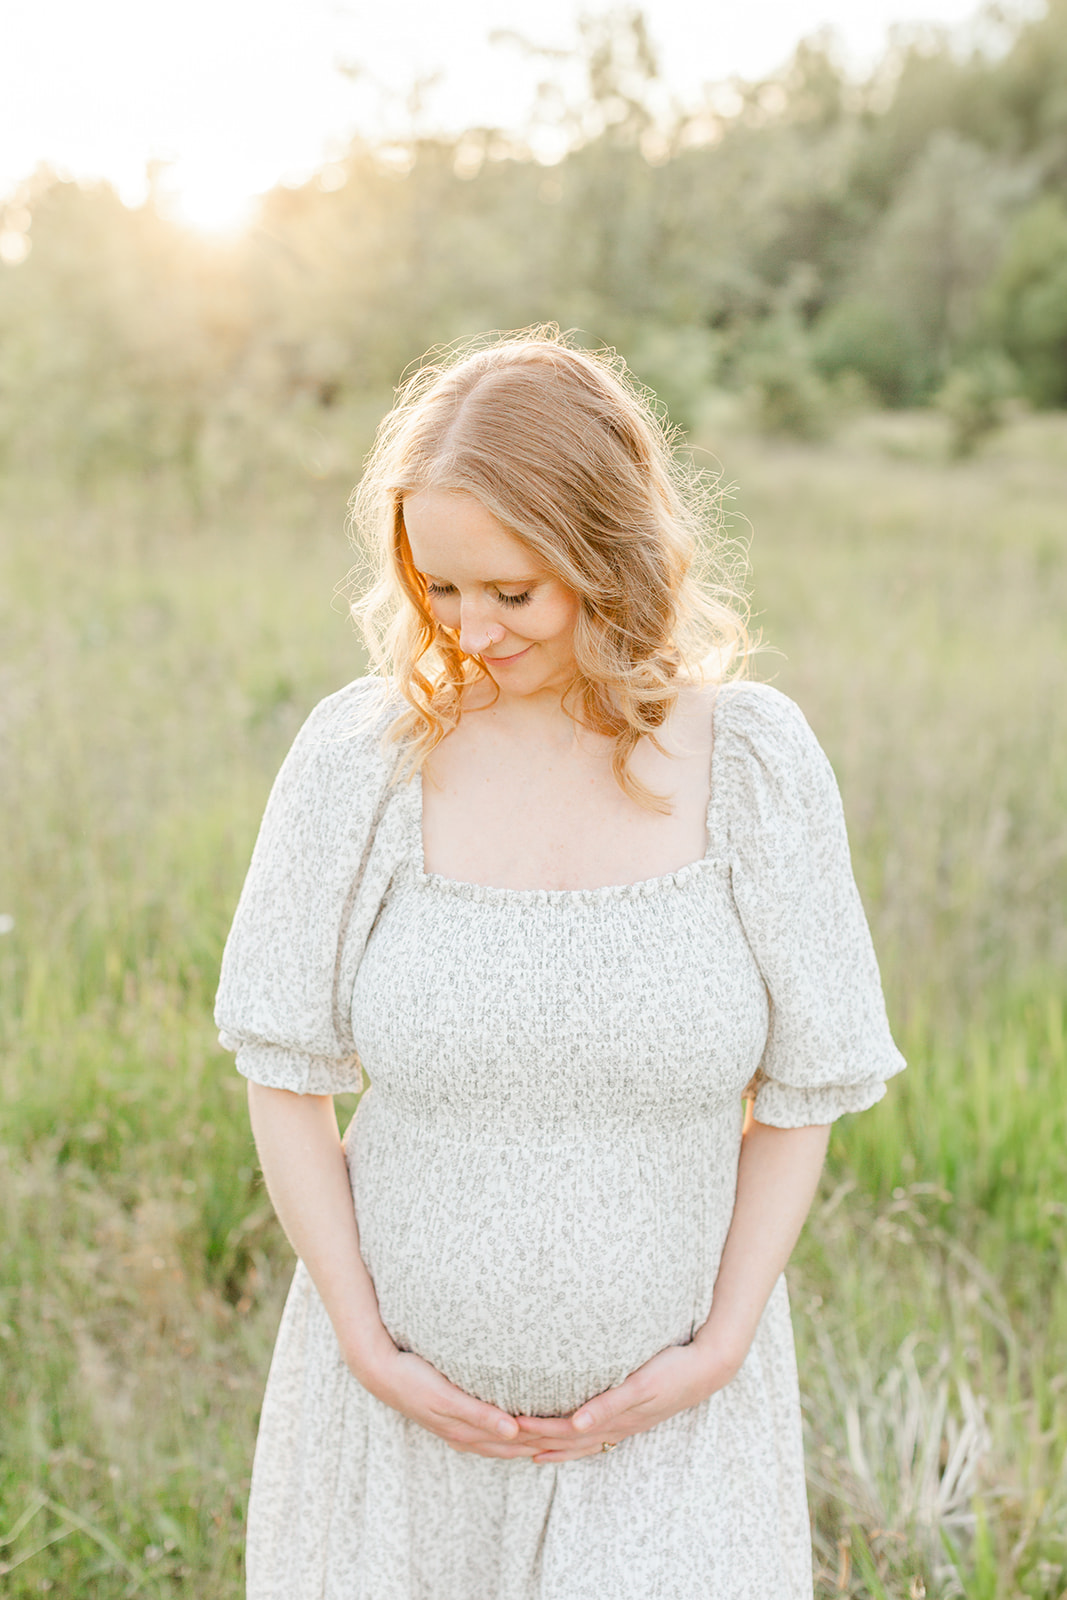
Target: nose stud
pixel 475 644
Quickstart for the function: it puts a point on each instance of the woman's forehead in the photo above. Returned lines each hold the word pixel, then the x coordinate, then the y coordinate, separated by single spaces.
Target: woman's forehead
pixel 451 528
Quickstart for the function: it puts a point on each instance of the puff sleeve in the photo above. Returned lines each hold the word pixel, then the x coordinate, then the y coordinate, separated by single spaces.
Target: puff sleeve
pixel 776 814
pixel 309 900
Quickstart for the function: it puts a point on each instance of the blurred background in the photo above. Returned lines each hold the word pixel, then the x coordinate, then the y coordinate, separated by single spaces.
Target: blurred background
pixel 835 246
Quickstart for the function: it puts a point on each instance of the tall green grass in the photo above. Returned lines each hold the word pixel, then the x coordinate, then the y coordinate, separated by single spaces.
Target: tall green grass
pixel 158 658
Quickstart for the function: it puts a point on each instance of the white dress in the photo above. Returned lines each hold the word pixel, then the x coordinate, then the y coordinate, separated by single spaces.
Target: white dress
pixel 544 1168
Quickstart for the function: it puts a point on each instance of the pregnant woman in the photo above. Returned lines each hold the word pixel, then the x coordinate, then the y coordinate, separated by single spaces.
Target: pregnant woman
pixel 567 895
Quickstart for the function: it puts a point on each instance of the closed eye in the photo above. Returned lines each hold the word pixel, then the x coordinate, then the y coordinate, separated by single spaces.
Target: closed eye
pixel 443 589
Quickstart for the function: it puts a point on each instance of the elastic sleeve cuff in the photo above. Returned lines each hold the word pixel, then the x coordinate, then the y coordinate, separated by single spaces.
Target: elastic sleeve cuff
pixel 276 1067
pixel 780 1105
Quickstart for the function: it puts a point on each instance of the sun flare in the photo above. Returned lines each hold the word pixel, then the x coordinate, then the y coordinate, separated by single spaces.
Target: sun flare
pixel 218 202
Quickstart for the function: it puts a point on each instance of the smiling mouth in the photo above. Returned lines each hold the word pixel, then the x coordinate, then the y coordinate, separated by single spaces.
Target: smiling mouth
pixel 502 660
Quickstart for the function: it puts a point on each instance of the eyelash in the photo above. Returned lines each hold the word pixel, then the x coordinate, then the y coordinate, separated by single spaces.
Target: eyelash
pixel 505 599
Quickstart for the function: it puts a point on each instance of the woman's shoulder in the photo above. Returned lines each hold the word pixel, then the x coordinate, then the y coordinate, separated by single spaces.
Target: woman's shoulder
pixel 742 720
pixel 743 706
pixel 755 721
pixel 766 759
pixel 340 746
pixel 349 722
pixel 737 704
pixel 363 706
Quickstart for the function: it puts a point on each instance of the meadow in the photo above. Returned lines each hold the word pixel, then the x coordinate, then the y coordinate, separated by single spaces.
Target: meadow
pixel 162 640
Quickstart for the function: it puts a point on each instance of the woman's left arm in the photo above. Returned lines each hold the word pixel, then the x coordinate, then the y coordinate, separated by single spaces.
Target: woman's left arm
pixel 777 1176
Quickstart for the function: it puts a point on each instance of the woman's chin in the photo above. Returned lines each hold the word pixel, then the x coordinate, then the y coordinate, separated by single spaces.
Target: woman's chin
pixel 530 675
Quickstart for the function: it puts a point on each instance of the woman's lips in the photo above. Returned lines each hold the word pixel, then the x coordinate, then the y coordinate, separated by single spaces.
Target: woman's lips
pixel 503 661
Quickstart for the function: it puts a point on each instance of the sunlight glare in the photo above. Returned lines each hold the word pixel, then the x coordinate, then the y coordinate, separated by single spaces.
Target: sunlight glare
pixel 14 248
pixel 211 199
pixel 241 93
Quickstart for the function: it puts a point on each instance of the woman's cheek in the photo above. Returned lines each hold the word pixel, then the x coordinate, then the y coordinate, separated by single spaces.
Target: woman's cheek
pixel 565 615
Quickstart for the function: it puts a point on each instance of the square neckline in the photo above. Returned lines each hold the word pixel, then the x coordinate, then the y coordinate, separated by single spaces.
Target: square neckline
pixel 641 886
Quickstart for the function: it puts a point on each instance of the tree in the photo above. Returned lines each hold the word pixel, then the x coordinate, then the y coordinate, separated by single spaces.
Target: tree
pixel 1027 305
pixel 938 244
pixel 972 400
pixel 860 334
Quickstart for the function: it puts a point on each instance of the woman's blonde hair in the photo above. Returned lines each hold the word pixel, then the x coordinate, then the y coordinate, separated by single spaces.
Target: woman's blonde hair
pixel 563 447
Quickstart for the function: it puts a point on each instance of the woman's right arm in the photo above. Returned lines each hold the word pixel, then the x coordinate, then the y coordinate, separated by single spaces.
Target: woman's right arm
pixel 307 1178
pixel 306 1173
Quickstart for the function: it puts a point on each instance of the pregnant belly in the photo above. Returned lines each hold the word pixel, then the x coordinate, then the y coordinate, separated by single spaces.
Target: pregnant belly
pixel 537 1274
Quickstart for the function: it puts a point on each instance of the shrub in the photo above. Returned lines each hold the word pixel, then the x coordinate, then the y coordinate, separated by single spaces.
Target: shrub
pixel 972 398
pixel 1028 301
pixel 786 394
pixel 679 363
pixel 862 337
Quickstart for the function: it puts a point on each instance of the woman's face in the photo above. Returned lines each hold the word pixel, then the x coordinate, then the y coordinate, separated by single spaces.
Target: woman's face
pixel 508 609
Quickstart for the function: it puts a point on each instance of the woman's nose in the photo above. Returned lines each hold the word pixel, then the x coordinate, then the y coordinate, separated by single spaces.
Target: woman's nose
pixel 476 636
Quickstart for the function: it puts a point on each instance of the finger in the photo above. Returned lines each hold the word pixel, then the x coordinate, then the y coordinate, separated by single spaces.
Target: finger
pixel 549 1458
pixel 478 1436
pixel 447 1401
pixel 476 1414
pixel 489 1448
pixel 539 1441
pixel 483 1444
pixel 462 1432
pixel 553 1427
pixel 598 1413
pixel 462 1436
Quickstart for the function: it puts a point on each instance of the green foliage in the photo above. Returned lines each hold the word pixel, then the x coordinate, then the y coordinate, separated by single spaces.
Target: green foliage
pixel 1028 301
pixel 679 363
pixel 937 244
pixel 786 393
pixel 862 336
pixel 1028 98
pixel 972 398
pixel 116 337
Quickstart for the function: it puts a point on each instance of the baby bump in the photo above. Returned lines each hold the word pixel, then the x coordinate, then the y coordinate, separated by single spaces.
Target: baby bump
pixel 536 1273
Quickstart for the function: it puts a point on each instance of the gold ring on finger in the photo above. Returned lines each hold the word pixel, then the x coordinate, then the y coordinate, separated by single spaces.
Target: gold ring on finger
pixel 607 1445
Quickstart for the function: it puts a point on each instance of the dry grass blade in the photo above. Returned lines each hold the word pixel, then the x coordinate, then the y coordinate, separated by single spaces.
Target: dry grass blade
pixel 37 1504
pixel 74 1522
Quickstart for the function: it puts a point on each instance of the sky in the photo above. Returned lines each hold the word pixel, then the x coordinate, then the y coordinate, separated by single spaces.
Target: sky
pixel 237 95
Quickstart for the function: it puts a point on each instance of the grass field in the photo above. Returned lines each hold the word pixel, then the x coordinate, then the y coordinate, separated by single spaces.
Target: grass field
pixel 162 642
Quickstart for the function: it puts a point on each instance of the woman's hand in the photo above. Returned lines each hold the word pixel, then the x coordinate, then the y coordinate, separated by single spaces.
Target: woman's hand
pixel 417 1390
pixel 674 1380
